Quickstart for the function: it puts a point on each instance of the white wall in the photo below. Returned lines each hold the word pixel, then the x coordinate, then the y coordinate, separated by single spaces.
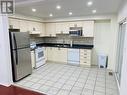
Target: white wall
pixel 102 39
pixel 5 61
pixel 123 10
pixel 121 15
pixel 105 39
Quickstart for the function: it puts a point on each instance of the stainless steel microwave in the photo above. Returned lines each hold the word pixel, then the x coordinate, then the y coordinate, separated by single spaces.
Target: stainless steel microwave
pixel 75 31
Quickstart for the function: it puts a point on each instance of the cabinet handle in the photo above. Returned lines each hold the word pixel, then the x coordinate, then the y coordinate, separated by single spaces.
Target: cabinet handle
pixel 85 57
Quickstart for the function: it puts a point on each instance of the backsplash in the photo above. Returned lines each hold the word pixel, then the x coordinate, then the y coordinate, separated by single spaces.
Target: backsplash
pixel 67 40
pixel 64 39
pixel 36 39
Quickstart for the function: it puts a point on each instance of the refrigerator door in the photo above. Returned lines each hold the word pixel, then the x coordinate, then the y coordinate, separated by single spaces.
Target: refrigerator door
pixel 21 63
pixel 20 40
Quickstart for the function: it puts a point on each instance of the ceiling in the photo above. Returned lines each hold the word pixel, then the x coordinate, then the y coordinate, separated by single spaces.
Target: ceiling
pixel 77 7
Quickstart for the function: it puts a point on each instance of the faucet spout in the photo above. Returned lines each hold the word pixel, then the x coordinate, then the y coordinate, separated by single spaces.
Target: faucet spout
pixel 71 43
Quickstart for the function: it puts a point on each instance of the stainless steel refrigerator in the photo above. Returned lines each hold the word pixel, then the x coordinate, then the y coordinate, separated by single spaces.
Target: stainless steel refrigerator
pixel 20 55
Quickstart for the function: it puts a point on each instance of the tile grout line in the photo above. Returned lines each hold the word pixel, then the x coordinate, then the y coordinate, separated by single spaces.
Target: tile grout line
pixel 86 80
pixel 54 82
pixel 95 82
pixel 64 83
pixel 75 82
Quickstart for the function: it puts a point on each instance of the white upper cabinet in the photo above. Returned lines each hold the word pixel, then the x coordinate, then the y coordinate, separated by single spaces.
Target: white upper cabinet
pixel 23 26
pixel 88 29
pixel 75 24
pixel 62 28
pixel 42 34
pixel 34 27
pixel 50 29
pixel 14 23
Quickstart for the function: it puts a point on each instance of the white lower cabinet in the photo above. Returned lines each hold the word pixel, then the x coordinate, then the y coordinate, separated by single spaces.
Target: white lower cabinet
pixel 85 57
pixel 61 55
pixel 57 54
pixel 50 53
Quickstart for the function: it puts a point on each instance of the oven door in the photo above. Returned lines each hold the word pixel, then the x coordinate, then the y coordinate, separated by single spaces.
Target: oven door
pixel 39 54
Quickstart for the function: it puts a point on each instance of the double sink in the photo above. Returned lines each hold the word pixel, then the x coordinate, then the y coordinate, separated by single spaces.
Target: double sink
pixel 63 46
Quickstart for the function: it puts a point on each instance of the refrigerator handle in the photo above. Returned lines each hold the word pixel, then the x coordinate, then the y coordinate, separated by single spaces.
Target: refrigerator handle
pixel 16 52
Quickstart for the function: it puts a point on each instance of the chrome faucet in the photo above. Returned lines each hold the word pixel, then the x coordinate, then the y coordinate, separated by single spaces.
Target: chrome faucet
pixel 71 43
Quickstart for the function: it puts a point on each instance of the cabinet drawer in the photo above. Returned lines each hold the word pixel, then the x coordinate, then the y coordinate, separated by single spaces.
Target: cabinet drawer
pixel 85 50
pixel 85 55
pixel 85 58
pixel 85 63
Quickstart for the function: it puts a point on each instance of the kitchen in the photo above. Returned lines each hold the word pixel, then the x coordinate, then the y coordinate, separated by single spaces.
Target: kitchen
pixel 65 47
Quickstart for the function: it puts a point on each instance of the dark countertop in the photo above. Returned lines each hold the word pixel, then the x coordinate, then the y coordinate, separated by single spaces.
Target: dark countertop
pixel 65 45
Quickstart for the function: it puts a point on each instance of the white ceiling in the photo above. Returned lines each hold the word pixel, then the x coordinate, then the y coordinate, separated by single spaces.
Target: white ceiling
pixel 78 7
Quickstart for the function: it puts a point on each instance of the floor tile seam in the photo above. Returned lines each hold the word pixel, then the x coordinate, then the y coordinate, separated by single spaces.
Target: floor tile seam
pixel 95 83
pixel 85 82
pixel 73 85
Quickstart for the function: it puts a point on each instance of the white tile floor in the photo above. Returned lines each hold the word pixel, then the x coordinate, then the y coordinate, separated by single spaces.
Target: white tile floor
pixel 59 79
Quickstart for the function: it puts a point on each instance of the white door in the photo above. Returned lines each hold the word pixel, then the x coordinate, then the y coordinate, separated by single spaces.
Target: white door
pixel 120 48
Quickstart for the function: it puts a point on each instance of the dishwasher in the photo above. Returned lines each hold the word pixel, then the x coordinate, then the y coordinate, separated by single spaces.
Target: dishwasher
pixel 73 57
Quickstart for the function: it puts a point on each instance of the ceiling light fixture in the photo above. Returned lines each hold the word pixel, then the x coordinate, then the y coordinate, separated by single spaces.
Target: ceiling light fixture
pixel 58 7
pixel 94 11
pixel 50 15
pixel 70 13
pixel 90 3
pixel 34 10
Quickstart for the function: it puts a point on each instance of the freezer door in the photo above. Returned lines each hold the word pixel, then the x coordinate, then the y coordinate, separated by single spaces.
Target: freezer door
pixel 19 40
pixel 21 63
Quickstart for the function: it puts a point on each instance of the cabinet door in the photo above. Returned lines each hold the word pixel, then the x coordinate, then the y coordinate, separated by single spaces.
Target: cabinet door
pixel 14 23
pixel 42 34
pixel 50 29
pixel 88 28
pixel 33 27
pixel 75 24
pixel 61 55
pixel 58 28
pixel 50 54
pixel 30 26
pixel 62 28
pixel 23 26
